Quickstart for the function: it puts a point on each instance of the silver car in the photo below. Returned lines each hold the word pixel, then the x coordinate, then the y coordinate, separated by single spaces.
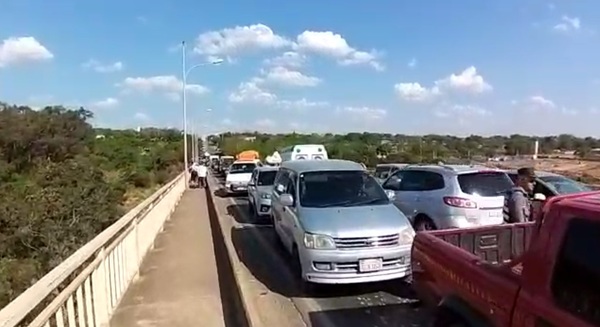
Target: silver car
pixel 449 196
pixel 338 223
pixel 259 191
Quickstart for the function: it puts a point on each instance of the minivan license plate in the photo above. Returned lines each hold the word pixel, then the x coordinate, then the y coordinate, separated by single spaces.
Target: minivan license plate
pixel 368 265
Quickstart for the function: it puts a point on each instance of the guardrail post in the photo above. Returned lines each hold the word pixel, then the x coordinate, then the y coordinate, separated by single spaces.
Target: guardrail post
pixel 100 289
pixel 138 259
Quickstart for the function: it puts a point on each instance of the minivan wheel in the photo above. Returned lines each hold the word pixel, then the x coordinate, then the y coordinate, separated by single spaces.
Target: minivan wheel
pixel 424 224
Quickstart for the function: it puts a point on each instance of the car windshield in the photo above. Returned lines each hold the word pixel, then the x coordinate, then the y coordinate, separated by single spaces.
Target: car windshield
pixel 340 189
pixel 242 168
pixel 563 185
pixel 228 161
pixel 266 178
pixel 485 183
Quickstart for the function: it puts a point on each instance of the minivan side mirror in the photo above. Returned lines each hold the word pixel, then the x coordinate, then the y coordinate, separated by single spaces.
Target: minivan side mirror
pixel 390 194
pixel 286 200
pixel 539 197
pixel 251 184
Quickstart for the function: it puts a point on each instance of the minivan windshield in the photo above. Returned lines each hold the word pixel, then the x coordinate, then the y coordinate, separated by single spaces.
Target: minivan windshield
pixel 325 189
pixel 240 168
pixel 492 183
pixel 563 185
pixel 266 178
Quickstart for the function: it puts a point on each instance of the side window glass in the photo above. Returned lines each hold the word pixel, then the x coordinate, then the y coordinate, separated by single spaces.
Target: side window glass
pixel 541 188
pixel 381 172
pixel 575 283
pixel 281 181
pixel 413 181
pixel 393 183
pixel 432 181
pixel 291 186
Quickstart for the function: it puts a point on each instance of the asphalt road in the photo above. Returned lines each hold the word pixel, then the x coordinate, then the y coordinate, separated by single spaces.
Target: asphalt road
pixel 366 305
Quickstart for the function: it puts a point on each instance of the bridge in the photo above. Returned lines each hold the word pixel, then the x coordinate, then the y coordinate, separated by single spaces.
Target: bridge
pixel 191 257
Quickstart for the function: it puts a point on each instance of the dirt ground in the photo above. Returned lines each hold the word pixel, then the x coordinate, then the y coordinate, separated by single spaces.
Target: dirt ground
pixel 585 171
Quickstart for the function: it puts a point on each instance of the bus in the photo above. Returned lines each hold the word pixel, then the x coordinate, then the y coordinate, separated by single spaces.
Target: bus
pixel 304 152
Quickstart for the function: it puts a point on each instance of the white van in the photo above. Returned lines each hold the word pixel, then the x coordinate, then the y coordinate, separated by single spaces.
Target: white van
pixel 239 175
pixel 304 152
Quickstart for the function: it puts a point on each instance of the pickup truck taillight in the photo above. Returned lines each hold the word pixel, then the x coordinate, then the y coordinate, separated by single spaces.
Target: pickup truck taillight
pixel 454 201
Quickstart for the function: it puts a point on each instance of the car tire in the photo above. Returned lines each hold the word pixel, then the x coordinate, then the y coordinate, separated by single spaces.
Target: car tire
pixel 306 287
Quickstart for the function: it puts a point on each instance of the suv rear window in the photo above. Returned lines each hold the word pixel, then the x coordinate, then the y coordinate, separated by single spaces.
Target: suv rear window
pixel 485 183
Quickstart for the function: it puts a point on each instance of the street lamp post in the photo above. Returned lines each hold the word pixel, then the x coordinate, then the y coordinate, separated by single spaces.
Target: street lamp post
pixel 184 73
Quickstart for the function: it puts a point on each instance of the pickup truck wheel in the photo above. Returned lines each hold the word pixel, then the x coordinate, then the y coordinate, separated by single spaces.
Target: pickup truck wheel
pixel 424 224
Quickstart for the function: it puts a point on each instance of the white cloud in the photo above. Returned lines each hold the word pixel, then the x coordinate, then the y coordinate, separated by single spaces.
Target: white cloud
pixel 412 63
pixel 413 92
pixel 168 85
pixel 335 46
pixel 250 92
pixel 539 101
pixel 468 81
pixel 302 104
pixel 105 104
pixel 99 67
pixel 568 24
pixel 288 59
pixel 19 50
pixel 286 77
pixel 363 113
pixel 239 40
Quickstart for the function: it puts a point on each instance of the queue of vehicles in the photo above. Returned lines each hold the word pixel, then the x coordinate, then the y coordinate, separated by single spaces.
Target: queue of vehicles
pixel 341 225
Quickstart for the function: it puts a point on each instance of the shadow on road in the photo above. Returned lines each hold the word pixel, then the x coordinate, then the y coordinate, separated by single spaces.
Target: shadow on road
pixel 222 193
pixel 260 251
pixel 247 217
pixel 397 315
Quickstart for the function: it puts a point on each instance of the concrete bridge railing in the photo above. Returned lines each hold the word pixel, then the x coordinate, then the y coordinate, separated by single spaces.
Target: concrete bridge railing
pixel 85 289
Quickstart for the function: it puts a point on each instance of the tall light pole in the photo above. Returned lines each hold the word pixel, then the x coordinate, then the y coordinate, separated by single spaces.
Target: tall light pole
pixel 184 73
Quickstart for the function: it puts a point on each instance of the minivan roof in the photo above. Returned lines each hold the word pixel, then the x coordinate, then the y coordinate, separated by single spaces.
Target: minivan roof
pixel 453 169
pixel 302 166
pixel 393 164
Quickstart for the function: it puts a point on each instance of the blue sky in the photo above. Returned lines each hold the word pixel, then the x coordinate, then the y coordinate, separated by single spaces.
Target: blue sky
pixel 458 67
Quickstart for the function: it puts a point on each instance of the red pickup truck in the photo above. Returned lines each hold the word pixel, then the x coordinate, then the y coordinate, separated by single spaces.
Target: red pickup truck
pixel 540 274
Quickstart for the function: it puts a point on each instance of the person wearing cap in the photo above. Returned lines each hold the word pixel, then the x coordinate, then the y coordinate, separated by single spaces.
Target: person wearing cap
pixel 517 203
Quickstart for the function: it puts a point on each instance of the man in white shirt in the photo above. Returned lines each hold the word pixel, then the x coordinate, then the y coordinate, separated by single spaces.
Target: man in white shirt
pixel 201 171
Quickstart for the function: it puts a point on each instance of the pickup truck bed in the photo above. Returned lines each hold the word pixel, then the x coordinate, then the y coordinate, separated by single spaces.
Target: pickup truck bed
pixel 449 261
pixel 494 244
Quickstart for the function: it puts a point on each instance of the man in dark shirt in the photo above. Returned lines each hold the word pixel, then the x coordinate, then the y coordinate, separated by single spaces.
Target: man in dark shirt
pixel 517 204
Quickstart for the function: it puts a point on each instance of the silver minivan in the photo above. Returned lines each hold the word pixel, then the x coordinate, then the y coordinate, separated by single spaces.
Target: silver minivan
pixel 338 223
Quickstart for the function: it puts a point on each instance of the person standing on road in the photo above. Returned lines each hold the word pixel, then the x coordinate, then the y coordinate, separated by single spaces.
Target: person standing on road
pixel 517 203
pixel 202 171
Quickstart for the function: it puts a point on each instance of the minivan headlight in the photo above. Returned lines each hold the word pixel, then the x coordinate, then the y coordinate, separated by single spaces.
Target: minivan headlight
pixel 407 235
pixel 318 242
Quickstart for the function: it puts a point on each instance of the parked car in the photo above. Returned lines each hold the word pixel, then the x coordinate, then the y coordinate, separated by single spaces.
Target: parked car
pixel 449 196
pixel 542 273
pixel 336 221
pixel 551 184
pixel 238 176
pixel 259 191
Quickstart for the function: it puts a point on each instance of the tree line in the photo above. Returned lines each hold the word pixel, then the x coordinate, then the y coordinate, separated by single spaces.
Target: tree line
pixel 62 182
pixel 374 148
